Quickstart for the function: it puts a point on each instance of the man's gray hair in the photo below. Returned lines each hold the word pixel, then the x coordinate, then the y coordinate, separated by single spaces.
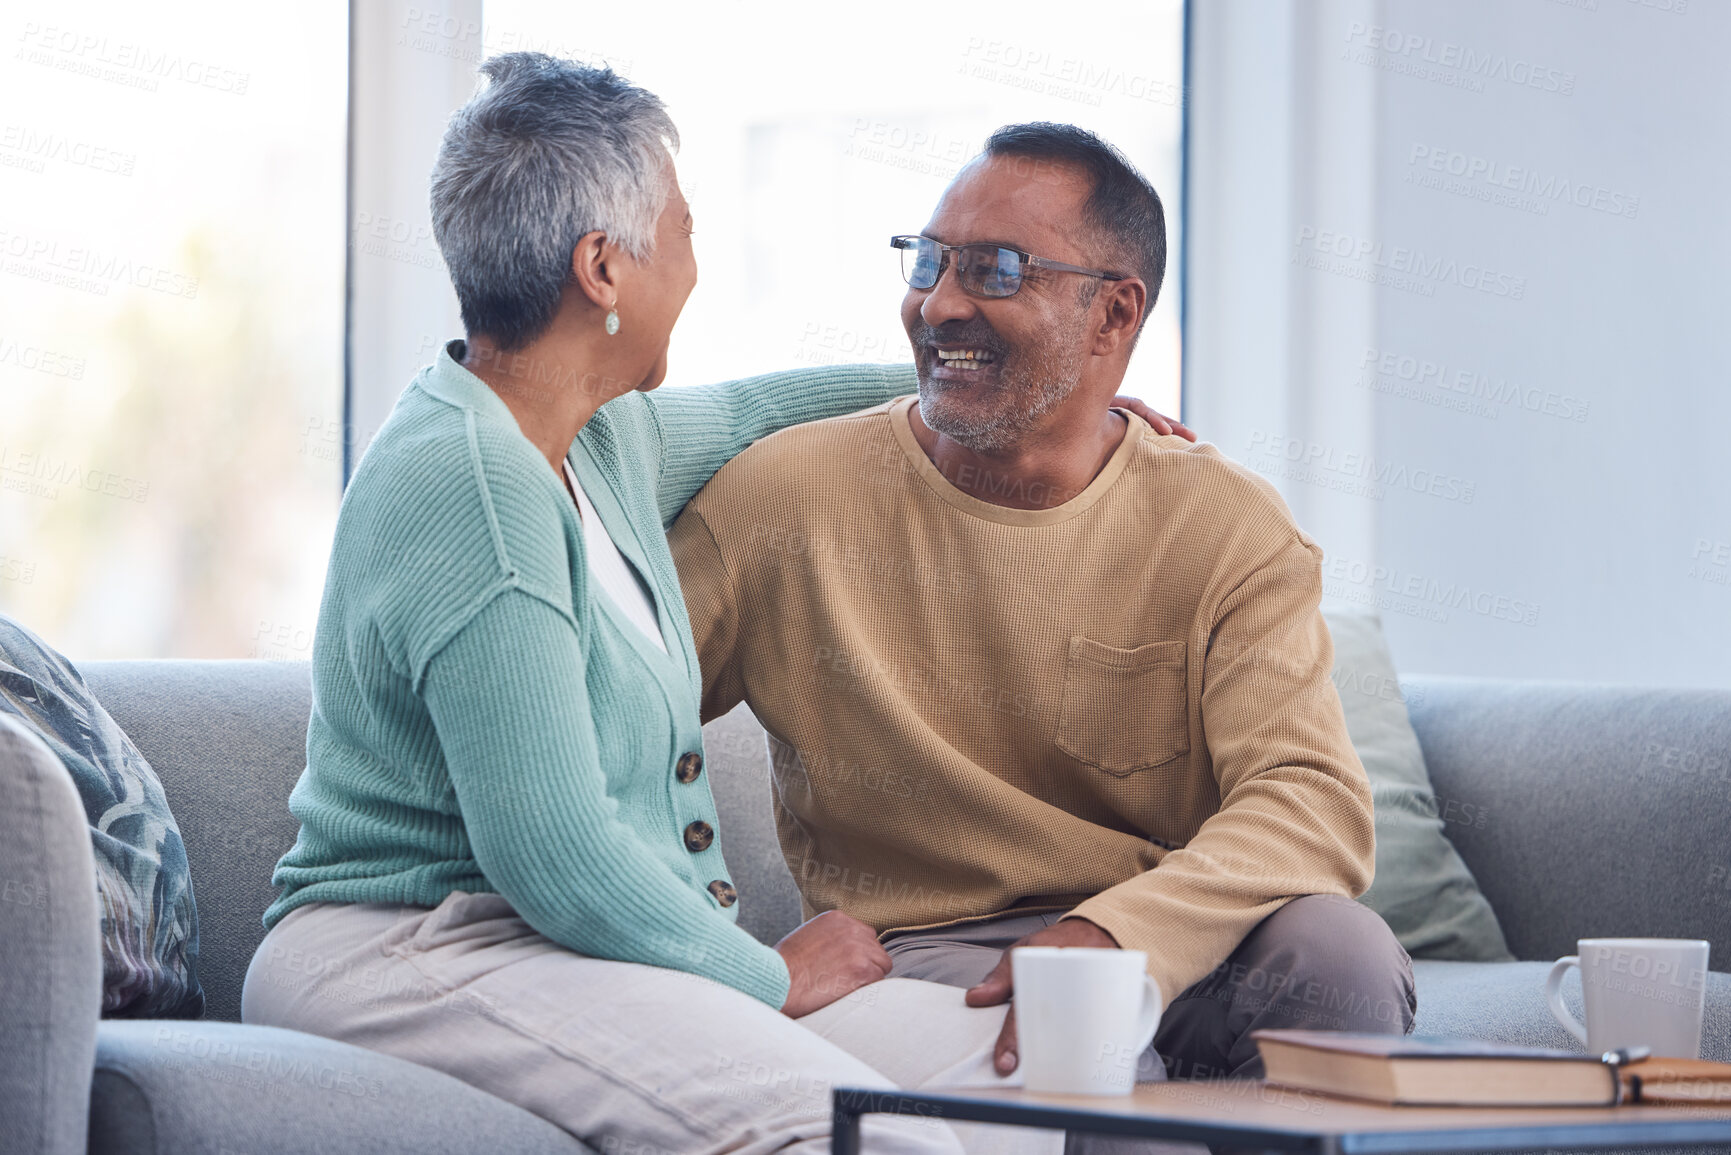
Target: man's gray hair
pixel 546 152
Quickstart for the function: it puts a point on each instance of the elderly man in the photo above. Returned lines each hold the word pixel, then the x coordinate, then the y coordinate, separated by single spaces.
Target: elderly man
pixel 1034 674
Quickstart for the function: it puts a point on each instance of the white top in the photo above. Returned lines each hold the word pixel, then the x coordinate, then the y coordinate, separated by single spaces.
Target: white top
pixel 610 569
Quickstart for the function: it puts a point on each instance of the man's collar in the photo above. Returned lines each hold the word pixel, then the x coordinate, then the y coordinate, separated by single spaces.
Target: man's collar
pixel 925 468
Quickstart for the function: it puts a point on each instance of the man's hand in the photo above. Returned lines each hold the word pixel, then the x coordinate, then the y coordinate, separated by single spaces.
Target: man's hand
pixel 1160 423
pixel 995 987
pixel 830 956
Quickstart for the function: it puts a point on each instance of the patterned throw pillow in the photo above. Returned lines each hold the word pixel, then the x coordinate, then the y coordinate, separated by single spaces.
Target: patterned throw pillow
pixel 143 884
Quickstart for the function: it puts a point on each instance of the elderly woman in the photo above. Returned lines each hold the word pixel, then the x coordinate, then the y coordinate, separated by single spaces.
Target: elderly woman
pixel 508 865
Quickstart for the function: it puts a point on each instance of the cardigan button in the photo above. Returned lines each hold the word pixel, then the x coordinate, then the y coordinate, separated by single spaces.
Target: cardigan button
pixel 688 767
pixel 698 836
pixel 724 892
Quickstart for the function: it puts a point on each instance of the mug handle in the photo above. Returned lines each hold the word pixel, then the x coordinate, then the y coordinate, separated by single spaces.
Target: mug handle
pixel 1554 997
pixel 1149 1020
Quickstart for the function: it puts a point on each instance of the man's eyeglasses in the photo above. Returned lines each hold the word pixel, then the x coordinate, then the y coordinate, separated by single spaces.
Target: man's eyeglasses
pixel 984 270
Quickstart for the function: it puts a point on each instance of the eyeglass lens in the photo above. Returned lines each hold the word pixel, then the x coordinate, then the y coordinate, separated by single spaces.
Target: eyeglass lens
pixel 988 270
pixel 921 263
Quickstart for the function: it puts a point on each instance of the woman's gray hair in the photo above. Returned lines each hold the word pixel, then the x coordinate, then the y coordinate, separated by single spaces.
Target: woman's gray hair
pixel 546 152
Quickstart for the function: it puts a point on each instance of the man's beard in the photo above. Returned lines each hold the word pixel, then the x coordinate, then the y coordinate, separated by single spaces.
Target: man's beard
pixel 1028 388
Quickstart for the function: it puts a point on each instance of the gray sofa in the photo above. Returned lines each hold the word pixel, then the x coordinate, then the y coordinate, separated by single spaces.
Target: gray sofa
pixel 1595 811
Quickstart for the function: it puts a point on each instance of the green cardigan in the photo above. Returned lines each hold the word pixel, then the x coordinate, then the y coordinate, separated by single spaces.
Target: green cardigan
pixel 484 720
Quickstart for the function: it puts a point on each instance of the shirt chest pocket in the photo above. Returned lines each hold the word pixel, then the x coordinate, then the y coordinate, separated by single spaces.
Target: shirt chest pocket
pixel 1124 710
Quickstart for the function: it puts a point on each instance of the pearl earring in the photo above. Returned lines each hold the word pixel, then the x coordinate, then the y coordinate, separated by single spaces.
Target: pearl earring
pixel 612 321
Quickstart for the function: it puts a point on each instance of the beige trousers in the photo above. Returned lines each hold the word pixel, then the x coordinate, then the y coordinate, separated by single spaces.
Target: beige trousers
pixel 634 1060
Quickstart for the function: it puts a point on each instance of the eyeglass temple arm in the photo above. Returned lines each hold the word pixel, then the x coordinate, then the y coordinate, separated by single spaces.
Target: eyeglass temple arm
pixel 1060 266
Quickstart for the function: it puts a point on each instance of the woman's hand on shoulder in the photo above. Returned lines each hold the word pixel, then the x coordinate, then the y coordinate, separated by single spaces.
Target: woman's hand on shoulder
pixel 1157 421
pixel 829 957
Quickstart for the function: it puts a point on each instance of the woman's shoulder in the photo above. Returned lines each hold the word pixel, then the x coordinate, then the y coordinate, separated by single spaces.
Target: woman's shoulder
pixel 627 430
pixel 446 509
pixel 432 461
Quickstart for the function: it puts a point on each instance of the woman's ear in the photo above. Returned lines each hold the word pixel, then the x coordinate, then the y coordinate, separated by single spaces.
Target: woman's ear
pixel 593 263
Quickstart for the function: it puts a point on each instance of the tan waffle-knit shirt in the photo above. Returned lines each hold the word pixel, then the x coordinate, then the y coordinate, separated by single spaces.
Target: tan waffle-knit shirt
pixel 1119 706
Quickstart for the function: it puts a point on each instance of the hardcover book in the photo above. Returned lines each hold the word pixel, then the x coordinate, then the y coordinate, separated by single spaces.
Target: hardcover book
pixel 1416 1070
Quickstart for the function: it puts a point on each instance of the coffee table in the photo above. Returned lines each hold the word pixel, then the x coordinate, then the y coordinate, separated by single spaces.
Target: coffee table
pixel 1256 1114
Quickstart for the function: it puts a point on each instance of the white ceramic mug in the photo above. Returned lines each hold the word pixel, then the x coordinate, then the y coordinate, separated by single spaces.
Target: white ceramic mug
pixel 1084 1015
pixel 1639 992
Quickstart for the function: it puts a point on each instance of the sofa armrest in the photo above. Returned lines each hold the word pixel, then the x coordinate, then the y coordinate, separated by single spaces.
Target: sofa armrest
pixel 1585 810
pixel 170 1085
pixel 50 950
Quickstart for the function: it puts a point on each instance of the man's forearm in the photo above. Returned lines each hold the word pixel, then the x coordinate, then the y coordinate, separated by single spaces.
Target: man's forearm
pixel 1193 910
pixel 1295 815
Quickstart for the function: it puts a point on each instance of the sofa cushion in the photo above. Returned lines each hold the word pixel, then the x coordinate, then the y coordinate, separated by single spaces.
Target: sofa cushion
pixel 1608 806
pixel 143 885
pixel 229 740
pixel 1422 889
pixel 1505 1003
pixel 178 1086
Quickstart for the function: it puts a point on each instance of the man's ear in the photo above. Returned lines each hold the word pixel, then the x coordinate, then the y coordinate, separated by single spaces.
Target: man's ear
pixel 1126 303
pixel 593 265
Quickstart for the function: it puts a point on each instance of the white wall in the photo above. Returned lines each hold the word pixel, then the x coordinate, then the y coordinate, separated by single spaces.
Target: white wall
pixel 411 66
pixel 1553 498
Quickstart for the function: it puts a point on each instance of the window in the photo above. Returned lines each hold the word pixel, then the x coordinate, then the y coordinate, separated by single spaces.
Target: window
pixel 171 274
pixel 812 133
pixel 172 203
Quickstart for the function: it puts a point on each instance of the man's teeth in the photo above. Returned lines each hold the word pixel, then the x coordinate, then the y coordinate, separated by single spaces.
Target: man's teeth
pixel 963 358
